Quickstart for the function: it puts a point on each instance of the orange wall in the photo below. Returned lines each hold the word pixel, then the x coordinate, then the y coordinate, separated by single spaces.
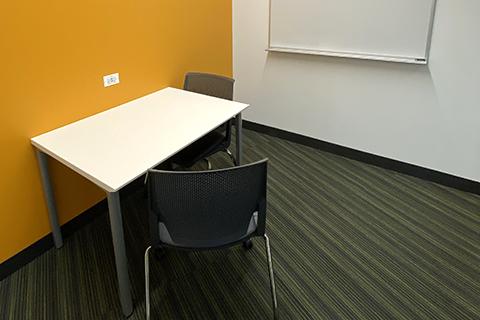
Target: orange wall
pixel 53 55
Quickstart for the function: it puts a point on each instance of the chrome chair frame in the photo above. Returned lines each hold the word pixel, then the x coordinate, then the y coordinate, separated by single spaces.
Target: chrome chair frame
pixel 270 274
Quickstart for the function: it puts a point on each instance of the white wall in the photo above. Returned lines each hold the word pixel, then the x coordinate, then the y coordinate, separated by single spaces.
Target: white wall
pixel 424 115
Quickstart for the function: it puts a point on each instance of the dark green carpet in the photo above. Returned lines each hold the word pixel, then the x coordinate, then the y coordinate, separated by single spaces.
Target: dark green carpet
pixel 350 241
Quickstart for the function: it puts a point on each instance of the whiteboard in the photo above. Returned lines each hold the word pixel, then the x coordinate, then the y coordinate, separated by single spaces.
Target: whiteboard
pixel 390 30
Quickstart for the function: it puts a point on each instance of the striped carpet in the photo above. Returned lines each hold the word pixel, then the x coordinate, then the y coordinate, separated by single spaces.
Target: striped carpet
pixel 349 240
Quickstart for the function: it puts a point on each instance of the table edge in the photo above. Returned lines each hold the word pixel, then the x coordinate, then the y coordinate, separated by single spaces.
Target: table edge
pixel 92 179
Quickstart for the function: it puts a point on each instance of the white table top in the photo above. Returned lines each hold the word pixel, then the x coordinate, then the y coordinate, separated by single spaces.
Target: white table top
pixel 114 147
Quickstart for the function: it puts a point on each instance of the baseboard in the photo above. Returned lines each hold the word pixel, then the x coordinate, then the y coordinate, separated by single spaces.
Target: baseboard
pixel 382 162
pixel 46 243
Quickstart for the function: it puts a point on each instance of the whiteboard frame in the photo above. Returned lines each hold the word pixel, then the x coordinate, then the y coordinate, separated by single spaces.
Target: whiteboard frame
pixel 356 55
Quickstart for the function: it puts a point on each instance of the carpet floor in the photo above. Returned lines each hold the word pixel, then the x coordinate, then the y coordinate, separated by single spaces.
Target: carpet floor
pixel 349 241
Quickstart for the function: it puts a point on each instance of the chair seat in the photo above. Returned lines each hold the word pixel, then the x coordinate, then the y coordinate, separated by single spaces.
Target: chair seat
pixel 166 238
pixel 202 148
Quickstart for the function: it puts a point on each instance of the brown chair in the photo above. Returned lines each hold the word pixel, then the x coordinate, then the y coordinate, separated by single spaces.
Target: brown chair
pixel 218 139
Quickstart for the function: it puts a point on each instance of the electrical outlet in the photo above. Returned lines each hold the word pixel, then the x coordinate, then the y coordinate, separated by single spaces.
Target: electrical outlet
pixel 111 79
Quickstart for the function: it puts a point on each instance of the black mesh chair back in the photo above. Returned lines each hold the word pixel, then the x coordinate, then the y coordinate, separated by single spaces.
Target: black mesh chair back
pixel 208 209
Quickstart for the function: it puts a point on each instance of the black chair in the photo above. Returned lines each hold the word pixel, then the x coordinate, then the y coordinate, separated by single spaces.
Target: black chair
pixel 218 139
pixel 201 210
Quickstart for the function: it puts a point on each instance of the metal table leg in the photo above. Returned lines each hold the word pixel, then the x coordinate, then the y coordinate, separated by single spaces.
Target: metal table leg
pixel 116 225
pixel 49 198
pixel 238 126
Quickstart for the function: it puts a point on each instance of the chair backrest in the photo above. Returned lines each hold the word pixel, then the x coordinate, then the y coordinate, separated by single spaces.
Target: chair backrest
pixel 209 84
pixel 208 209
pixel 215 86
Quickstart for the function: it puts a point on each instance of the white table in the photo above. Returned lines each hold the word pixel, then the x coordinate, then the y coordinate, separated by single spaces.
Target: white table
pixel 116 146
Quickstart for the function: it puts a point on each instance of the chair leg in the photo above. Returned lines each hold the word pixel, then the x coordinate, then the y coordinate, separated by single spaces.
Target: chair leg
pixel 147 283
pixel 231 157
pixel 272 279
pixel 247 244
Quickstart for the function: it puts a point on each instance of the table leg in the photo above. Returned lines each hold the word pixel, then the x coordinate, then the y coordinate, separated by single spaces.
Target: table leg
pixel 238 126
pixel 42 159
pixel 116 225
